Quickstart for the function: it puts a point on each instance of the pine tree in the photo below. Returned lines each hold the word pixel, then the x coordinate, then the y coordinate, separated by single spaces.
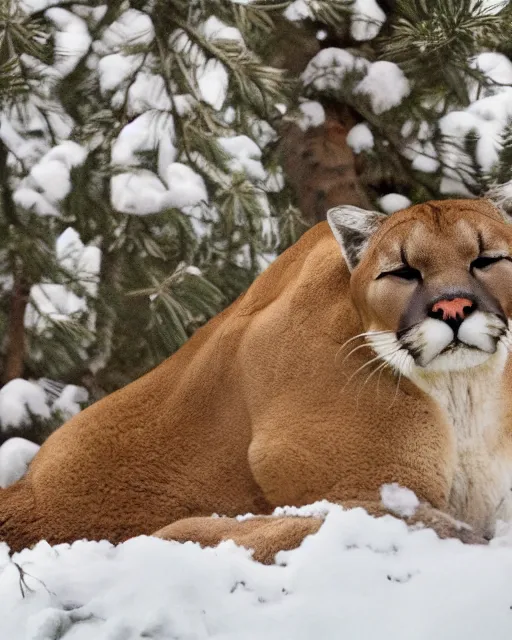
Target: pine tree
pixel 140 194
pixel 426 87
pixel 142 147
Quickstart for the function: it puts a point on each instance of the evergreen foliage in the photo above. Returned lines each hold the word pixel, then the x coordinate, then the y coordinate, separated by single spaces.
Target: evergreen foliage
pixel 140 186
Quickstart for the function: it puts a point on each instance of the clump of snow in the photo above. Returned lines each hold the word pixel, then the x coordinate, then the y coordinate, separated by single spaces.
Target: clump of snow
pixel 53 301
pixel 492 6
pixel 360 138
pixel 501 195
pixel 496 67
pixel 486 120
pixel 83 261
pixel 15 456
pixel 49 180
pixel 56 301
pixel 148 92
pixel 31 200
pixel 328 68
pixel 392 202
pixel 298 10
pixel 212 80
pixel 141 192
pixel 367 19
pixel 215 29
pixel 312 115
pixel 144 133
pixel 385 84
pixel 69 153
pixel 69 401
pixel 246 156
pixel 19 399
pixel 399 500
pixel 133 27
pixel 186 187
pixel 116 68
pixel 72 39
pixel 355 564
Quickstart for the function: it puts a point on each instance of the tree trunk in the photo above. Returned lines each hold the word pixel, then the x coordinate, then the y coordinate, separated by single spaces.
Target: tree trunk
pixel 321 166
pixel 16 339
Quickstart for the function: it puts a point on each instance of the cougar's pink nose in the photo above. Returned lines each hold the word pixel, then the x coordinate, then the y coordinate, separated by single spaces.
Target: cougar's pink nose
pixel 456 309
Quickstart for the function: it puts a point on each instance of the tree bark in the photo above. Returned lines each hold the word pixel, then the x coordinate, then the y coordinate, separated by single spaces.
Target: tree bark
pixel 16 338
pixel 321 166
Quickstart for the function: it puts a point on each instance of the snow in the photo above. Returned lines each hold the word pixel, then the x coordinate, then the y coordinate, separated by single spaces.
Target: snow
pixel 141 192
pixel 392 202
pixel 215 29
pixel 144 133
pixel 31 200
pixel 367 19
pixel 312 115
pixel 81 260
pixel 399 500
pixel 72 39
pixel 360 138
pixel 148 92
pixel 328 68
pixel 116 68
pixel 133 27
pixel 15 456
pixel 186 187
pixel 245 154
pixel 486 119
pixel 298 10
pixel 53 178
pixel 212 79
pixel 495 66
pixel 493 6
pixel 49 180
pixel 52 301
pixel 385 84
pixel 358 577
pixel 69 153
pixel 69 400
pixel 18 400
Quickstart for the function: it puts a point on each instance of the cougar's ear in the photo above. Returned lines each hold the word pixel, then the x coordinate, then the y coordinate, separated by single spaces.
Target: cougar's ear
pixel 353 227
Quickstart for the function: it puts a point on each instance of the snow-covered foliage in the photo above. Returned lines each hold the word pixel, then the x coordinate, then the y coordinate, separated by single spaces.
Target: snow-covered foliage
pixel 435 100
pixel 358 577
pixel 134 146
pixel 22 401
pixel 19 399
pixel 137 143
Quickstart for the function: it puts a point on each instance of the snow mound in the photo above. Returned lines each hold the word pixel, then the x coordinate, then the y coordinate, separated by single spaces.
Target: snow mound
pixel 358 577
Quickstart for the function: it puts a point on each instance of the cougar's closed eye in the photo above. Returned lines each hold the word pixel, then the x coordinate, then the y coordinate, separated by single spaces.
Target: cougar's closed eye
pixel 404 273
pixel 482 262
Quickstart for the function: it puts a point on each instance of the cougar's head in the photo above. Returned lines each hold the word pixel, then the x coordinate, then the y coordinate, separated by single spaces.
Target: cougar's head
pixel 433 283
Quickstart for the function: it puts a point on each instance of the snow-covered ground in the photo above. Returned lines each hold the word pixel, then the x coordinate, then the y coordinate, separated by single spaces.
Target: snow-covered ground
pixel 357 578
